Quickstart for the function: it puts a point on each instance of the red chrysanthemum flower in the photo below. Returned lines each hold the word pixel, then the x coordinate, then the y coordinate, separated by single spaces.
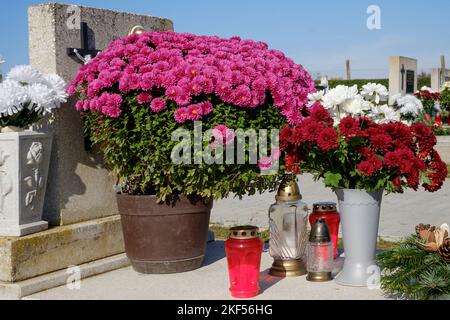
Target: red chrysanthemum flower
pixel 413 180
pixel 349 126
pixel 424 136
pixel 399 132
pixel 366 152
pixel 320 114
pixel 286 135
pixel 439 173
pixel 370 166
pixel 397 182
pixel 310 130
pixel 328 139
pixel 396 152
pixel 381 141
pixel 402 159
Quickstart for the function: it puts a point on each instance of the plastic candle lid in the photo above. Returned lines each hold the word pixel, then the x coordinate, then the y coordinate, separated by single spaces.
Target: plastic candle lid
pixel 244 232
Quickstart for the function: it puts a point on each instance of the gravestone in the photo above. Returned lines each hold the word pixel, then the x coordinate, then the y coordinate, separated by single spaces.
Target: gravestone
pixel 1 62
pixel 436 78
pixel 79 187
pixel 80 200
pixel 402 77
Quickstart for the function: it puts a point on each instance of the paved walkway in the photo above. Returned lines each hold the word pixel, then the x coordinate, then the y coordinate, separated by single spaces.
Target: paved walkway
pixel 208 283
pixel 399 213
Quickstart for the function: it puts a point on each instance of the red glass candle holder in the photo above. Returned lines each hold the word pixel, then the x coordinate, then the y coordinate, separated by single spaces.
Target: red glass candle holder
pixel 328 211
pixel 244 248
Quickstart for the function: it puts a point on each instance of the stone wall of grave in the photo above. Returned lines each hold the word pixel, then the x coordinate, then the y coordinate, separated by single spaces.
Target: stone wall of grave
pixel 436 78
pixel 79 186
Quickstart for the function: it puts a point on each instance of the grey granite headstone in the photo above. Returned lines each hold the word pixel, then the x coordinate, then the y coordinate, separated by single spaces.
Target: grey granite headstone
pixel 79 186
pixel 436 78
pixel 402 77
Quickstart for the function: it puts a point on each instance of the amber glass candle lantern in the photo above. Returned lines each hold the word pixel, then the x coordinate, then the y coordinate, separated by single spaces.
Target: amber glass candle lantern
pixel 288 219
pixel 328 211
pixel 244 248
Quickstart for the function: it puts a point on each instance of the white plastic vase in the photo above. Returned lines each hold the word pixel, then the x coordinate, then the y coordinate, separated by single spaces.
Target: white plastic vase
pixel 360 217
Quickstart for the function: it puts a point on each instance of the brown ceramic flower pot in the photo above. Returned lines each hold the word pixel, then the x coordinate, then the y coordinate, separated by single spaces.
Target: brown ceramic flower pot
pixel 162 238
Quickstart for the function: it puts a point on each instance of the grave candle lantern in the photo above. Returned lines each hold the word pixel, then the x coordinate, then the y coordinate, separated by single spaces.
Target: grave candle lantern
pixel 288 219
pixel 328 211
pixel 320 253
pixel 244 248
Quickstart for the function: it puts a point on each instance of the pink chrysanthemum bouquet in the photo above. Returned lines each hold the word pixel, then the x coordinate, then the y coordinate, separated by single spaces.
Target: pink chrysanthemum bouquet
pixel 142 88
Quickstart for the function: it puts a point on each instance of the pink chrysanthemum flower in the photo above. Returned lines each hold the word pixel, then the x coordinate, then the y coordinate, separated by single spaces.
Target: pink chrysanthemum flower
pixel 242 95
pixel 181 115
pixel 144 98
pixel 173 92
pixel 222 133
pixel 207 108
pixel 195 112
pixel 265 163
pixel 158 105
pixel 183 67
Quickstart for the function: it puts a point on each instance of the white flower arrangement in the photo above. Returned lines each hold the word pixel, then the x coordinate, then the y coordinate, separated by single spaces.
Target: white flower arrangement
pixel 445 86
pixel 384 114
pixel 375 92
pixel 343 101
pixel 28 91
pixel 408 105
pixel 425 88
pixel 315 97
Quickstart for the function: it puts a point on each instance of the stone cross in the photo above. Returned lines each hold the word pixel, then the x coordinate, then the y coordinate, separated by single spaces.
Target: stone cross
pixel 403 76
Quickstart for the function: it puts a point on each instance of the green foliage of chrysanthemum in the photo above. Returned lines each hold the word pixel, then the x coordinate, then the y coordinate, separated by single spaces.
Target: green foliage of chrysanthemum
pixel 138 146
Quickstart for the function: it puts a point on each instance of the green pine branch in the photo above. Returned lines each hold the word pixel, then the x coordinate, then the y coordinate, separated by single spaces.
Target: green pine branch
pixel 410 272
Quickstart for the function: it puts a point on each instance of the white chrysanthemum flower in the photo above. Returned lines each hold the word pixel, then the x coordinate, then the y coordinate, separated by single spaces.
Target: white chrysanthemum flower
pixel 43 99
pixel 13 97
pixel 26 75
pixel 425 88
pixel 58 85
pixel 409 105
pixel 339 95
pixel 384 114
pixel 355 106
pixel 27 88
pixel 374 92
pixel 315 97
pixel 342 101
pixel 446 85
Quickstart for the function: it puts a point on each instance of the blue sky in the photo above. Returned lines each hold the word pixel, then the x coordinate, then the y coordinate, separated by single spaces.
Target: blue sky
pixel 320 35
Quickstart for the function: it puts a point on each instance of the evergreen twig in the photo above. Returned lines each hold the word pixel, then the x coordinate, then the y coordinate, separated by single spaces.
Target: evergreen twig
pixel 410 272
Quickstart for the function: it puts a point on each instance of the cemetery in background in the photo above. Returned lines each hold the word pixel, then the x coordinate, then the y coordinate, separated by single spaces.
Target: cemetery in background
pixel 80 207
